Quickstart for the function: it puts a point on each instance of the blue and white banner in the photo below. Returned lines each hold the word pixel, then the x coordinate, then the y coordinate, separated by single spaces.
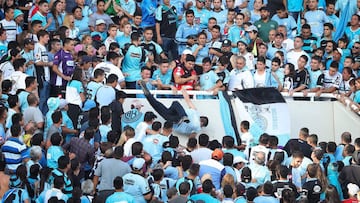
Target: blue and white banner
pixel 266 110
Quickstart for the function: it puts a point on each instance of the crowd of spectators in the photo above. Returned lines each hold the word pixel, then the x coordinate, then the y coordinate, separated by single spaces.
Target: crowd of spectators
pixel 65 136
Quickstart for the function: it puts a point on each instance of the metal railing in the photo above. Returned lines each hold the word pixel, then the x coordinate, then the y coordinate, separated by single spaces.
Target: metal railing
pixel 311 95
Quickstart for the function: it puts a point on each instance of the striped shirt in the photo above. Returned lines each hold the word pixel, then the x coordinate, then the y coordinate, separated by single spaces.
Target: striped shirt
pixel 14 152
pixel 67 190
pixel 11 29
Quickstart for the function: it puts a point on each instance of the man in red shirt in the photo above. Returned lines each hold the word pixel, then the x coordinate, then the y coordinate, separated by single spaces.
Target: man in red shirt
pixel 185 76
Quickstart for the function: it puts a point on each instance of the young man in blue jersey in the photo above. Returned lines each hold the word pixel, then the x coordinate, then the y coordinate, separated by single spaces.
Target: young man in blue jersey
pixel 186 121
pixel 133 61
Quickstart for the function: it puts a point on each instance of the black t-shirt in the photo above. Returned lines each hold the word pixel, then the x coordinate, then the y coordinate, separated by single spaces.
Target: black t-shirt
pixel 279 186
pixel 313 189
pixel 302 77
pixel 298 145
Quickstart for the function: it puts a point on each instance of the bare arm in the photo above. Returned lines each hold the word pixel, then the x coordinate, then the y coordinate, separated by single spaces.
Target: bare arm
pixel 57 71
pixel 187 99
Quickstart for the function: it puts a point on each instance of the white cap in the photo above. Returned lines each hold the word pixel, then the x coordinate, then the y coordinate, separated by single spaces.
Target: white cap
pixel 138 163
pixel 239 159
pixel 99 21
pixel 353 189
pixel 340 51
pixel 187 51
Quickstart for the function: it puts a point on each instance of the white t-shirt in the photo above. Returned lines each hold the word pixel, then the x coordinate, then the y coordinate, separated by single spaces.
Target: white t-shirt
pixel 259 79
pixel 19 81
pixel 140 131
pixel 41 54
pixel 110 68
pixel 240 79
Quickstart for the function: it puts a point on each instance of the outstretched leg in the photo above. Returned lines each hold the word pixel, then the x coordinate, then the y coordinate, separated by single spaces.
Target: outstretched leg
pixel 174 113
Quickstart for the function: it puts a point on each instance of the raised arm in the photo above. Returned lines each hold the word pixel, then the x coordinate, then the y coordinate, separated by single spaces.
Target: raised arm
pixel 187 99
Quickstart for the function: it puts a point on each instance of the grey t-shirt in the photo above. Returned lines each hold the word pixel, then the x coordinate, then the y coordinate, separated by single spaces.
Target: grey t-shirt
pixel 108 169
pixel 33 114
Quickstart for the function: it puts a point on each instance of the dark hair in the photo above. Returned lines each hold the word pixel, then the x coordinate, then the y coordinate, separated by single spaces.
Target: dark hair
pixel 59 182
pixel 190 57
pixel 13 100
pixel 15 130
pixel 89 133
pixel 37 139
pixel 118 183
pixel 228 141
pixel 189 11
pixel 228 159
pixel 112 136
pixel 135 36
pixel 330 25
pixel 184 188
pixel 98 72
pixel 29 80
pixel 228 191
pixel 6 86
pixel 16 118
pixel 112 78
pixel 77 74
pixel 112 56
pixel 35 22
pixel 158 174
pixel 305 26
pixel 204 120
pixel 136 148
pixel 55 14
pixel 203 140
pixel 156 126
pixel 55 139
pixel 63 161
pixel 331 147
pixel 149 116
pixel 113 46
pixel 206 60
pixel 18 63
pixel 224 60
pixel 56 116
pixel 261 59
pixel 306 58
pixel 42 33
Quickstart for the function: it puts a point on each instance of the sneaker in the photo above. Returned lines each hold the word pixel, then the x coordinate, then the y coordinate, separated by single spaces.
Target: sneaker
pixel 144 88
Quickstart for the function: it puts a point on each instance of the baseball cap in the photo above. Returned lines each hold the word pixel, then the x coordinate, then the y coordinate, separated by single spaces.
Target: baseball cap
pixel 187 51
pixel 226 43
pixel 137 103
pixel 202 1
pixel 217 154
pixel 62 103
pixel 138 163
pixel 353 189
pixel 242 42
pixel 89 104
pixel 239 159
pixel 28 41
pixel 99 22
pixel 53 103
pixel 340 51
pixel 86 59
pixel 17 13
pixel 251 28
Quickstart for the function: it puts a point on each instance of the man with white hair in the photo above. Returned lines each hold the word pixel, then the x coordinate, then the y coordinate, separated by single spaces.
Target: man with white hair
pixel 260 173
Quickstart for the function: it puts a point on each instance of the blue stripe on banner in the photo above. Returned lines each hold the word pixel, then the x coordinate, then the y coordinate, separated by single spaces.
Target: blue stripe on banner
pixel 228 117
